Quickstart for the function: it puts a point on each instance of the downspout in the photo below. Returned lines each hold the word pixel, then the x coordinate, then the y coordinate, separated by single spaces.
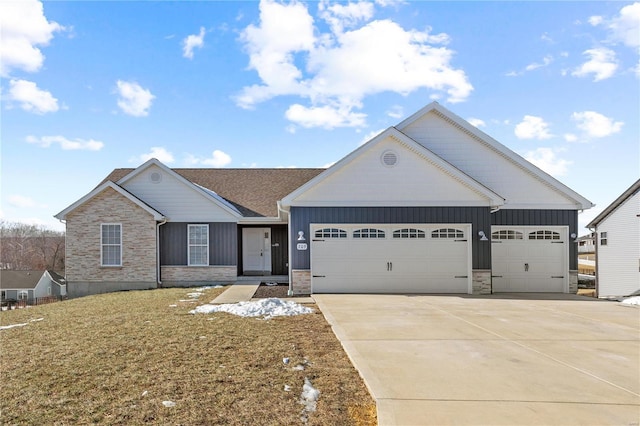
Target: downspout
pixel 158 225
pixel 595 254
pixel 280 209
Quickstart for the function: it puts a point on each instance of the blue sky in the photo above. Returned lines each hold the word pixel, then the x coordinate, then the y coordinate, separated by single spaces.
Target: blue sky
pixel 87 87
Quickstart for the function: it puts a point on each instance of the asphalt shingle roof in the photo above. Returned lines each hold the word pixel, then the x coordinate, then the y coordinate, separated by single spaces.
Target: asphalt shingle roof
pixel 10 279
pixel 254 192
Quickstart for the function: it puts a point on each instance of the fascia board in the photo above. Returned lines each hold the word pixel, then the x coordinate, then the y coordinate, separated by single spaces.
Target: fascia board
pixel 200 190
pixel 615 204
pixel 581 201
pixel 109 184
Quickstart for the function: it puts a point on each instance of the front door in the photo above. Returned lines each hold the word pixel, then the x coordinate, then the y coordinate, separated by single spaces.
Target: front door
pixel 256 251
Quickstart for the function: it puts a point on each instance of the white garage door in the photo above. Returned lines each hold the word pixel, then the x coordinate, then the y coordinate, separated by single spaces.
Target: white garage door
pixel 529 259
pixel 382 258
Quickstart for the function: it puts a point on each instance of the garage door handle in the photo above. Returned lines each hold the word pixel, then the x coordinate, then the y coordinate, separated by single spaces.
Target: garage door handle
pixel 496 242
pixel 459 241
pixel 461 276
pixel 496 276
pixel 319 276
pixel 389 266
pixel 557 242
pixel 557 276
pixel 317 240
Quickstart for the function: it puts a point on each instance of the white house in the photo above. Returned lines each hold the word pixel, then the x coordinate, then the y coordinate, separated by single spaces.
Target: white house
pixel 618 245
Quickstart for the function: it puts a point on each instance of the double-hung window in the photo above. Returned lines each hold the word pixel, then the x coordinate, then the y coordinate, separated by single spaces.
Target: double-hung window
pixel 111 244
pixel 198 254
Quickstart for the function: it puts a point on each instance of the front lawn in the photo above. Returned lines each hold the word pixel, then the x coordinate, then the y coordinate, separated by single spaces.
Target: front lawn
pixel 141 357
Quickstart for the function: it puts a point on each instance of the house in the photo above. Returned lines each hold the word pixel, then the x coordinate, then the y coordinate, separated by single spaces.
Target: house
pixel 617 231
pixel 29 285
pixel 587 257
pixel 432 205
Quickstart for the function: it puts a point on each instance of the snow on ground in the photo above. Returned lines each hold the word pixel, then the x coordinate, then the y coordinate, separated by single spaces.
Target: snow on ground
pixel 308 398
pixel 635 300
pixel 267 308
pixel 6 327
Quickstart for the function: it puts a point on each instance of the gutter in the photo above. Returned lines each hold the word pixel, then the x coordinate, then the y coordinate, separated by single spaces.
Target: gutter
pixel 158 225
pixel 286 212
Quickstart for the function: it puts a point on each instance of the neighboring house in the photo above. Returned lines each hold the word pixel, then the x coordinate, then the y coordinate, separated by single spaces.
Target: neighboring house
pixel 432 205
pixel 618 245
pixel 29 285
pixel 587 257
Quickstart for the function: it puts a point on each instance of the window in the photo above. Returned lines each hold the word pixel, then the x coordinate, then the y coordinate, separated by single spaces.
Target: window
pixel 3 295
pixel 447 233
pixel 408 233
pixel 506 234
pixel 603 238
pixel 368 233
pixel 331 233
pixel 23 295
pixel 198 254
pixel 111 244
pixel 544 235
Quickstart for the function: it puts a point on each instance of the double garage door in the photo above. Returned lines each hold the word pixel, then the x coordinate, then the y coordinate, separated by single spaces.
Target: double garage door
pixel 529 259
pixel 384 258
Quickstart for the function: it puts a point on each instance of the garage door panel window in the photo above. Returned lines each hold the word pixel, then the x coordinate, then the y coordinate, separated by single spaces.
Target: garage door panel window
pixel 369 233
pixel 447 233
pixel 409 233
pixel 544 235
pixel 506 234
pixel 330 233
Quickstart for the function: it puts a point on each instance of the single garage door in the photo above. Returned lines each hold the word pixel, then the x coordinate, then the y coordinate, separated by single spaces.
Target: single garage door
pixel 383 258
pixel 529 259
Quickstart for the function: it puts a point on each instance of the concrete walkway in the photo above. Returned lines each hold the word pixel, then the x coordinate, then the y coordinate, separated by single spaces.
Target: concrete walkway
pixel 243 291
pixel 499 360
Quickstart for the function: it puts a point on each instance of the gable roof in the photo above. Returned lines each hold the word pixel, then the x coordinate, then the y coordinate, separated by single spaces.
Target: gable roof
pixel 109 184
pixel 499 148
pixel 453 172
pixel 630 192
pixel 24 280
pixel 253 192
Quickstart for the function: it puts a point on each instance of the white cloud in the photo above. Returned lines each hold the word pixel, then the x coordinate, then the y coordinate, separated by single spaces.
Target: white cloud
pixel 191 42
pixel 476 122
pixel 532 127
pixel 625 27
pixel 595 20
pixel 21 201
pixel 602 64
pixel 217 159
pixel 66 144
pixel 327 116
pixel 395 111
pixel 23 29
pixel 335 70
pixel 31 98
pixel 547 160
pixel 546 61
pixel 596 125
pixel 159 153
pixel 570 137
pixel 372 134
pixel 134 100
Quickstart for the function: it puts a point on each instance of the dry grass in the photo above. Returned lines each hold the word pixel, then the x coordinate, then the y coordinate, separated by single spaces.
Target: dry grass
pixel 115 358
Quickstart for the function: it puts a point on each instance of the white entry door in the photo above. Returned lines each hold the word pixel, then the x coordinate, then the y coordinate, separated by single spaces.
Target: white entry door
pixel 391 258
pixel 256 251
pixel 529 259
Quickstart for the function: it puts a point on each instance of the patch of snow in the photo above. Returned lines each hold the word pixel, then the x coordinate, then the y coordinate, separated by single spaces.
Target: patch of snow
pixel 308 398
pixel 187 300
pixel 218 286
pixel 285 361
pixel 37 319
pixel 287 388
pixel 195 295
pixel 271 284
pixel 173 306
pixel 267 308
pixel 168 404
pixel 298 367
pixel 6 327
pixel 145 393
pixel 635 300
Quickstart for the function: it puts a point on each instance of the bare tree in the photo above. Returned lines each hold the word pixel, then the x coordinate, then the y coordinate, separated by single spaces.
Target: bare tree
pixel 30 247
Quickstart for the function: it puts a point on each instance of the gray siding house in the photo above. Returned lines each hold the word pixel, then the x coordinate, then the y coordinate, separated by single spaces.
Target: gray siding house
pixel 431 205
pixel 29 285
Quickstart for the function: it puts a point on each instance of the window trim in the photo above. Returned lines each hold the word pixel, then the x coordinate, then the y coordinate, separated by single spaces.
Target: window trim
pixel 22 292
pixel 102 246
pixel 447 234
pixel 604 238
pixel 333 233
pixel 368 233
pixel 189 244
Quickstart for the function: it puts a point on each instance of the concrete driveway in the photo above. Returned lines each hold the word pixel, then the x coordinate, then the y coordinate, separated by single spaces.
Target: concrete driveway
pixel 499 360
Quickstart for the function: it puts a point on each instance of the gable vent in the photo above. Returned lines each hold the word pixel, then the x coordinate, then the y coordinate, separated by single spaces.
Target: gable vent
pixel 155 177
pixel 389 158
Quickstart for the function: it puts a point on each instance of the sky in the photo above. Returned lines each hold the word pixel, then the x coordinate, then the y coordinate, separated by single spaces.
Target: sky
pixel 87 87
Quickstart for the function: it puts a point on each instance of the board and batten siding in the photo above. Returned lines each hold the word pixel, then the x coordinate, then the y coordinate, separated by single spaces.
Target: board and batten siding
pixel 618 267
pixel 222 243
pixel 478 217
pixel 174 198
pixel 521 217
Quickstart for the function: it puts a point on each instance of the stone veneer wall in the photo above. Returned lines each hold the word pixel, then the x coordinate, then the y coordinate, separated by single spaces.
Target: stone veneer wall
pixel 481 281
pixel 188 275
pixel 573 282
pixel 83 268
pixel 301 281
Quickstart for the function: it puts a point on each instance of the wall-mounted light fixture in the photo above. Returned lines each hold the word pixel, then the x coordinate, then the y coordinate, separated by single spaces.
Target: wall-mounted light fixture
pixel 301 236
pixel 482 235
